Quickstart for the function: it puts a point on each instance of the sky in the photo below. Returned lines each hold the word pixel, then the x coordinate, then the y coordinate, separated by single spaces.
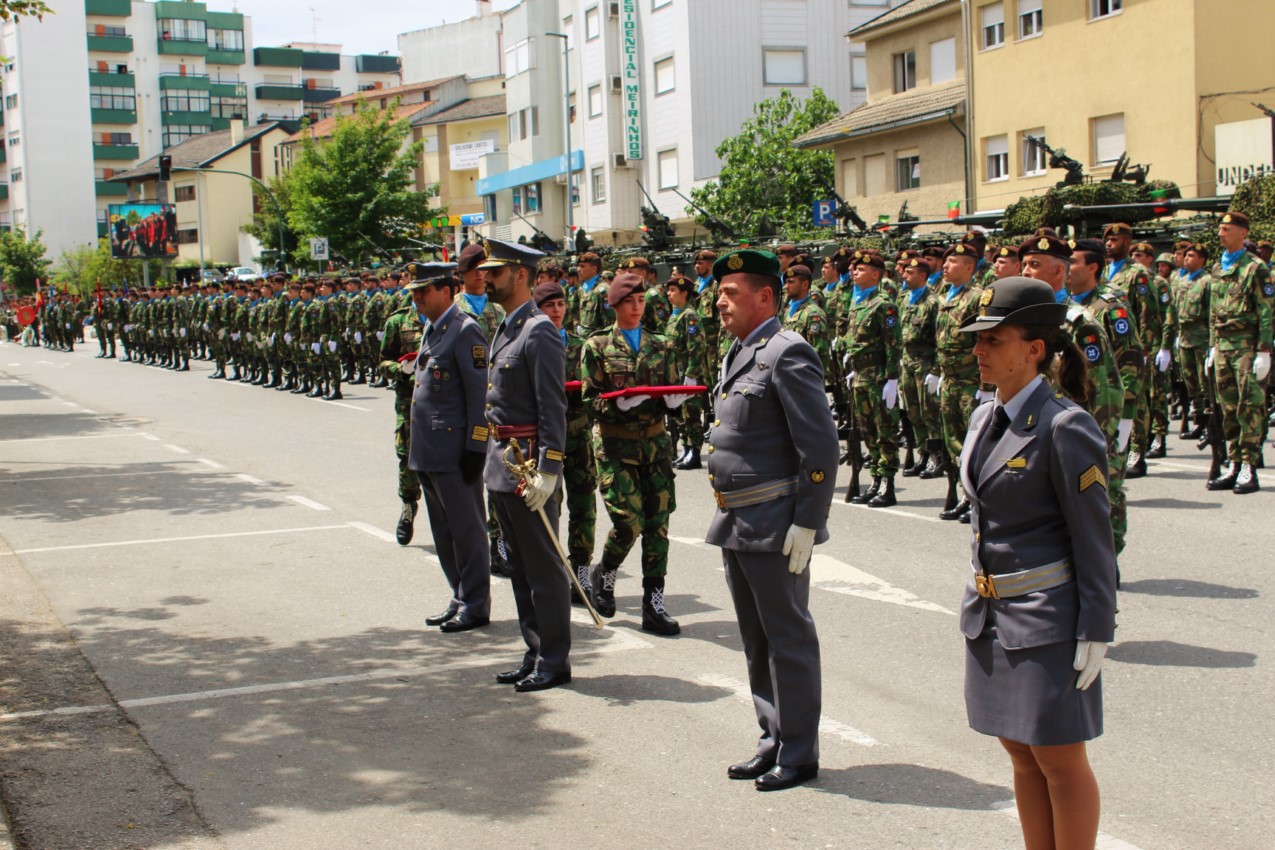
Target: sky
pixel 363 26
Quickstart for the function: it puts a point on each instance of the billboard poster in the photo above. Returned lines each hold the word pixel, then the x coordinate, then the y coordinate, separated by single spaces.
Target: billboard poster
pixel 143 231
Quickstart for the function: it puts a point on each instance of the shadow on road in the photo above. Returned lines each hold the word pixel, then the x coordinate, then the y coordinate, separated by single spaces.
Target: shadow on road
pixel 911 785
pixel 1187 588
pixel 1167 653
pixel 1175 504
pixel 623 690
pixel 31 426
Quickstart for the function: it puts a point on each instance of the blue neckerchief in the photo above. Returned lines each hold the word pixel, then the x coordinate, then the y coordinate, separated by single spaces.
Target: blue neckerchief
pixel 477 303
pixel 1230 258
pixel 795 305
pixel 830 288
pixel 676 310
pixel 1062 295
pixel 982 263
pixel 1183 273
pixel 563 333
pixel 1113 268
pixel 845 278
pixel 934 278
pixel 861 295
pixel 914 295
pixel 954 291
pixel 633 338
pixel 1192 275
pixel 588 285
pixel 1084 296
pixel 702 283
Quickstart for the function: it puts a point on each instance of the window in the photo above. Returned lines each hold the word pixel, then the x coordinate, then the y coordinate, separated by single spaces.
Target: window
pixel 15 139
pixel 571 104
pixel 1030 18
pixel 997 159
pixel 520 58
pixel 103 173
pixel 225 39
pixel 179 29
pixel 116 139
pixel 1035 160
pixel 517 200
pixel 184 193
pixel 784 67
pixel 858 72
pixel 15 175
pixel 942 61
pixel 189 236
pixel 1108 138
pixel 668 169
pixel 592 24
pixel 575 189
pixel 850 178
pixel 186 101
pixel 11 102
pixel 229 107
pixel 524 124
pixel 598 178
pixel 665 78
pixel 992 18
pixel 904 71
pixel 595 101
pixel 1103 8
pixel 907 172
pixel 532 194
pixel 102 97
pixel 660 4
pixel 568 29
pixel 176 135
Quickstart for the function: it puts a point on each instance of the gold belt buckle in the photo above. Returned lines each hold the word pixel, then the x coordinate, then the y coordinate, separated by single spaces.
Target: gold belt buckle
pixel 985 586
pixel 721 500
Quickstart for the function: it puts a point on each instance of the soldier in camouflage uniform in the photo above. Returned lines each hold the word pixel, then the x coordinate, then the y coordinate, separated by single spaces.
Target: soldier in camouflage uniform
pixel 1128 277
pixel 704 300
pixel 956 381
pixel 400 337
pixel 216 320
pixel 918 309
pixel 1191 303
pixel 1160 386
pixel 295 337
pixel 685 333
pixel 871 361
pixel 330 340
pixel 595 308
pixel 374 317
pixel 355 309
pixel 635 472
pixel 802 315
pixel 1240 298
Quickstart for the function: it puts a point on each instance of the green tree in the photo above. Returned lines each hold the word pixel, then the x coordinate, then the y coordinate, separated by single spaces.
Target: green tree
pixel 763 176
pixel 356 186
pixel 265 224
pixel 14 9
pixel 22 260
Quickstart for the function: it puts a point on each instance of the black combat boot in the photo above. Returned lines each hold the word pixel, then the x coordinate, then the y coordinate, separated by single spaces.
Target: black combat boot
pixel 1246 481
pixel 953 509
pixel 1159 448
pixel 654 617
pixel 921 459
pixel 1201 425
pixel 582 576
pixel 359 378
pixel 886 498
pixel 317 390
pixel 603 581
pixel 235 374
pixel 935 467
pixel 1226 478
pixel 335 395
pixel 870 494
pixel 1136 466
pixel 185 367
pixel 303 387
pixel 406 523
pixel 691 460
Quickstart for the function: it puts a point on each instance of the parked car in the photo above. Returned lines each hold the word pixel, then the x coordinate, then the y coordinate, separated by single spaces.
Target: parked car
pixel 244 273
pixel 212 276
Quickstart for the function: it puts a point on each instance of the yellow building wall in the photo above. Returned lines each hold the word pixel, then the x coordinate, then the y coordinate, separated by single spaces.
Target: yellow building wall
pixel 942 171
pixel 880 51
pixel 459 187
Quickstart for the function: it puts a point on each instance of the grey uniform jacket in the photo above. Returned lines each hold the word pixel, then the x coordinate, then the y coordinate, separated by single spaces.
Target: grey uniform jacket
pixel 526 387
pixel 772 421
pixel 1040 498
pixel 448 415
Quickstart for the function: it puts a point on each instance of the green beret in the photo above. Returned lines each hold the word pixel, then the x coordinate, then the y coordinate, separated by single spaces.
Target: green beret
pixel 747 261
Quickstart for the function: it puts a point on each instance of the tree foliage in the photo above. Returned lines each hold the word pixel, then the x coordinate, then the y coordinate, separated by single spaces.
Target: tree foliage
pixel 265 224
pixel 14 9
pixel 357 187
pixel 82 270
pixel 763 176
pixel 22 260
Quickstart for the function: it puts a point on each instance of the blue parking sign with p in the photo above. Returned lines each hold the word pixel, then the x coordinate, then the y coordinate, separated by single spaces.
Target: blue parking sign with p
pixel 823 214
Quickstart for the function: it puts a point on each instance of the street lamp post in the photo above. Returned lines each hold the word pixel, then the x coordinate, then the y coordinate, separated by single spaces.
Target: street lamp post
pixel 566 88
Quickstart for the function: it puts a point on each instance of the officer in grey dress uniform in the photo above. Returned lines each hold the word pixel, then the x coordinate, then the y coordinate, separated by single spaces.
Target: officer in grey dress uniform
pixel 1039 609
pixel 527 402
pixel 448 445
pixel 772 461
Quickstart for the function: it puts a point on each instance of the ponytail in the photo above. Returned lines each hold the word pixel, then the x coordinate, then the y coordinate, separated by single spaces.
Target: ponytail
pixel 1063 363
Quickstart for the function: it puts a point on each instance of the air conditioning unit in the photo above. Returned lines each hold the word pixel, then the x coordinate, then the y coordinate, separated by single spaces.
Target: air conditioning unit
pixel 617 84
pixel 618 161
pixel 613 10
pixel 560 179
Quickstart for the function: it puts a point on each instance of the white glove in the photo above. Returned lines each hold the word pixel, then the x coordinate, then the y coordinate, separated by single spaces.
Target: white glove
pixel 933 383
pixel 845 362
pixel 1208 361
pixel 1163 359
pixel 314 347
pixel 150 333
pixel 234 337
pixel 249 336
pixel 984 395
pixel 221 334
pixel 110 326
pixel 798 544
pixel 850 380
pixel 380 335
pixel 128 329
pixel 270 341
pixel 332 346
pixel 205 326
pixel 183 333
pixel 358 336
pixel 287 337
pixel 630 402
pixel 1122 434
pixel 1089 655
pixel 539 489
pixel 1262 365
pixel 890 393
pixel 673 402
pixel 68 326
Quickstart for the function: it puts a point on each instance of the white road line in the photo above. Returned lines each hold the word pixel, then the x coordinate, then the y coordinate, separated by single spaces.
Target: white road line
pixel 70 404
pixel 827 725
pixel 343 404
pixel 211 463
pixel 893 511
pixel 1202 467
pixel 249 479
pixel 173 539
pixel 86 410
pixel 617 642
pixel 151 437
pixel 309 503
pixel 177 449
pixel 697 542
pixel 368 528
pixel 87 477
pixel 79 437
pixel 1105 842
pixel 829 574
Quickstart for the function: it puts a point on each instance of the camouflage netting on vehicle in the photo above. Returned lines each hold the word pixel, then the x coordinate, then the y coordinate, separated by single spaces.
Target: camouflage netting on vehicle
pixel 1048 210
pixel 1256 199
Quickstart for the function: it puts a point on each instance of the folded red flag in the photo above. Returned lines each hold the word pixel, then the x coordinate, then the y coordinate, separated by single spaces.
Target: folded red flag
pixel 575 386
pixel 411 355
pixel 676 389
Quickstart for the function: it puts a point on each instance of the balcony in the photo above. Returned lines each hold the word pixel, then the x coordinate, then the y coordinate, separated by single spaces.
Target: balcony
pixel 105 189
pixel 278 91
pixel 179 46
pixel 218 56
pixel 367 64
pixel 4 154
pixel 114 116
pixel 110 43
pixel 112 79
pixel 319 95
pixel 314 61
pixel 277 57
pixel 184 82
pixel 113 151
pixel 4 191
pixel 185 118
pixel 181 9
pixel 223 88
pixel 109 8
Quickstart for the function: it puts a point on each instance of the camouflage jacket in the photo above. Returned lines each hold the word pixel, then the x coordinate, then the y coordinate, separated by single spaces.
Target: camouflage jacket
pixel 1192 305
pixel 1106 390
pixel 296 315
pixel 955 350
pixel 403 332
pixel 658 311
pixel 685 333
pixel 873 337
pixel 609 364
pixel 1240 305
pixel 811 322
pixel 1134 282
pixel 490 318
pixel 595 311
pixel 1163 292
pixel 919 346
pixel 1109 309
pixel 710 319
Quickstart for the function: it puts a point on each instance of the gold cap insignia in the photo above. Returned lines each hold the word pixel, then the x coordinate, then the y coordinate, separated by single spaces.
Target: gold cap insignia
pixel 1226 219
pixel 1016 463
pixel 1043 244
pixel 984 300
pixel 487 247
pixel 1071 243
pixel 914 263
pixel 817 476
pixel 1005 251
pixel 960 249
pixel 735 263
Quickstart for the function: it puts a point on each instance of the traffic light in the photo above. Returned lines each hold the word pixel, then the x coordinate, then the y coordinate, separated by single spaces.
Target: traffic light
pixel 165 167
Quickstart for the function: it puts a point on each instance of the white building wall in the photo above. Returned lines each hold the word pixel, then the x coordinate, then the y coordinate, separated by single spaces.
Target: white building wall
pixel 471 47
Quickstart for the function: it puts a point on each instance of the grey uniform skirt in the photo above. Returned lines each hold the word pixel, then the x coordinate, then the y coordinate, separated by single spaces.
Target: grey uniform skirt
pixel 1029 695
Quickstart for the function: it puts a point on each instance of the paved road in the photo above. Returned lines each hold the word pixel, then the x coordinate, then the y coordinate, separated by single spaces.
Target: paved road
pixel 209 639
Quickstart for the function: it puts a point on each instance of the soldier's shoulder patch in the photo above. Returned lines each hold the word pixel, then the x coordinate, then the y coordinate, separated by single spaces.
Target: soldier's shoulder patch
pixel 1142 289
pixel 1164 297
pixel 818 476
pixel 479 353
pixel 1269 290
pixel 1092 353
pixel 1091 476
pixel 1121 325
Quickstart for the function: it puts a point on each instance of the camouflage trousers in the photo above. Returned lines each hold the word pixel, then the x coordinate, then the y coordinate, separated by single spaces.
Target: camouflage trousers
pixel 1243 404
pixel 687 423
pixel 409 484
pixel 957 400
pixel 1191 366
pixel 922 406
pixel 580 481
pixel 1143 423
pixel 638 494
pixel 1161 395
pixel 879 426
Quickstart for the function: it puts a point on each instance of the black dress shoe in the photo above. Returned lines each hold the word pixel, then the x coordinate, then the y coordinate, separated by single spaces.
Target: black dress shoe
pixel 780 777
pixel 750 769
pixel 961 509
pixel 541 680
pixel 439 619
pixel 513 677
pixel 464 622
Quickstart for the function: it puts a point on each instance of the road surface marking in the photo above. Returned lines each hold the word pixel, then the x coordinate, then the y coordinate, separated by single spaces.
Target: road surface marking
pixel 177 449
pixel 70 404
pixel 827 725
pixel 697 542
pixel 211 463
pixel 1105 842
pixel 1201 468
pixel 343 404
pixel 829 574
pixel 249 479
pixel 892 511
pixel 368 528
pixel 151 437
pixel 86 477
pixel 309 503
pixel 173 539
pixel 79 437
pixel 86 410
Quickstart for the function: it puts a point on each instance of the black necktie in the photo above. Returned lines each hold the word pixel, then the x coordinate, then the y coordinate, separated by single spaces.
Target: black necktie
pixel 992 435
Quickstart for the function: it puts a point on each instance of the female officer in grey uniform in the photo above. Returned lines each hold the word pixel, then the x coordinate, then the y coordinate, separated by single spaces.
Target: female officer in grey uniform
pixel 1039 610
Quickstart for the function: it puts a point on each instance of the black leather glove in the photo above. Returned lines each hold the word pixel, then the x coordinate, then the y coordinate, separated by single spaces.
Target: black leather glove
pixel 471 466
